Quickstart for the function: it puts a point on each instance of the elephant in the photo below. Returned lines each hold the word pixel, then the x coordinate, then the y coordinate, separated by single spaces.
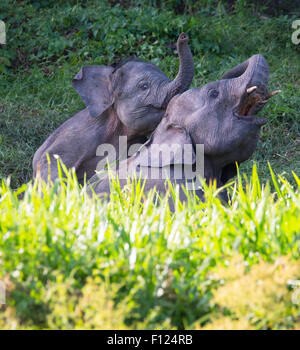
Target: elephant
pixel 221 116
pixel 126 100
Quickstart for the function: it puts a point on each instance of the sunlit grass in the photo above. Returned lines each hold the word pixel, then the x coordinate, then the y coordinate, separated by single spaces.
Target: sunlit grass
pixel 156 260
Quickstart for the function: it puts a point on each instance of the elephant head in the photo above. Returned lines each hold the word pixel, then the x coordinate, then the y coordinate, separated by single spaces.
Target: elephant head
pixel 138 91
pixel 220 115
pixel 127 100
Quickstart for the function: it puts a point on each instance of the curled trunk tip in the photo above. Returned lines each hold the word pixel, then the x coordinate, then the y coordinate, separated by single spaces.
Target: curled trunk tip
pixel 183 38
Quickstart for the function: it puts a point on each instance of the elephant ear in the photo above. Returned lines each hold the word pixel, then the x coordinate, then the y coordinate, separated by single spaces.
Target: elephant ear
pixel 166 146
pixel 93 85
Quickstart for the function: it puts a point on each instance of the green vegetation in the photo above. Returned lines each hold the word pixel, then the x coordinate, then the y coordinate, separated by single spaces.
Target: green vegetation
pixel 69 261
pixel 258 299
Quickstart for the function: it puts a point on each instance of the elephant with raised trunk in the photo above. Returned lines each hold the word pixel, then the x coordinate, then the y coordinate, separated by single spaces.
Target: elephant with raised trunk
pixel 127 100
pixel 221 116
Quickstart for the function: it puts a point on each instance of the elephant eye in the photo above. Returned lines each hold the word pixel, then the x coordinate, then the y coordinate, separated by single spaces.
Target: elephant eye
pixel 144 86
pixel 213 93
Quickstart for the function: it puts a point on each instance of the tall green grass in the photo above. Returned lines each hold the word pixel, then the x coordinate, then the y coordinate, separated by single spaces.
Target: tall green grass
pixel 152 265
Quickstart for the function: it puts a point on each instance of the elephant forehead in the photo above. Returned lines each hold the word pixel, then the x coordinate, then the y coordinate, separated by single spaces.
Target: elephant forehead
pixel 185 103
pixel 196 106
pixel 200 96
pixel 140 69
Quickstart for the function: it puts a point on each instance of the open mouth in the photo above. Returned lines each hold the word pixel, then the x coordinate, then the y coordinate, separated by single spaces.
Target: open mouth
pixel 253 101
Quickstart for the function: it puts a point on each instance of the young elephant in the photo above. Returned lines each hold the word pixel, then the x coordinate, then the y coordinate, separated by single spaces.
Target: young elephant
pixel 128 100
pixel 219 115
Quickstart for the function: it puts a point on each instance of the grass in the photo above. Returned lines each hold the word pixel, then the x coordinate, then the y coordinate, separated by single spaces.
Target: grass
pixel 61 249
pixel 69 261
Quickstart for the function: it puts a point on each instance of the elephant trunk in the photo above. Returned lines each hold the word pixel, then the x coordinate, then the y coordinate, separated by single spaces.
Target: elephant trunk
pixel 185 74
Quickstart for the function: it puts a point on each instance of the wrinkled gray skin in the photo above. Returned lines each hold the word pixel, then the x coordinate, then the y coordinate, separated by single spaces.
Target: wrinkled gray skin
pixel 220 115
pixel 128 100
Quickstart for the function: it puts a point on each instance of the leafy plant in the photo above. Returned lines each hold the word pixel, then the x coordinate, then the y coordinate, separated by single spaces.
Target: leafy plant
pixel 157 264
pixel 262 298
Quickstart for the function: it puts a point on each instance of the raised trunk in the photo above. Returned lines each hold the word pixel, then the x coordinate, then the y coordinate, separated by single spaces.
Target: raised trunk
pixel 185 74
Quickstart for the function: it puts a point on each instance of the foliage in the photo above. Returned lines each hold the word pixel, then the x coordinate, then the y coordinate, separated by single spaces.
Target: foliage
pixel 261 298
pixel 153 268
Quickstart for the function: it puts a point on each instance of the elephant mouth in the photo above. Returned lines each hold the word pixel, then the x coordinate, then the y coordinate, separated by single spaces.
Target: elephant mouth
pixel 253 100
pixel 151 109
